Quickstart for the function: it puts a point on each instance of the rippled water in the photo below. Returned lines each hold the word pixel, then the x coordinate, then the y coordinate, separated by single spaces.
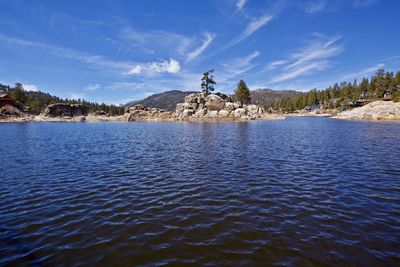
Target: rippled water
pixel 304 192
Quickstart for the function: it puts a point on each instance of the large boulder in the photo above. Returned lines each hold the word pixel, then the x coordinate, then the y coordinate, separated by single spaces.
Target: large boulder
pixel 212 114
pixel 214 102
pixel 180 107
pixel 201 113
pixel 377 110
pixel 134 108
pixel 10 110
pixel 192 106
pixel 229 106
pixel 195 98
pixel 65 110
pixel 253 109
pixel 240 112
pixel 187 113
pixel 224 113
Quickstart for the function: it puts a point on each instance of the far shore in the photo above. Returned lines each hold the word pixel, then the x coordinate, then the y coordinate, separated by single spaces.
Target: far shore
pixel 122 118
pixel 374 111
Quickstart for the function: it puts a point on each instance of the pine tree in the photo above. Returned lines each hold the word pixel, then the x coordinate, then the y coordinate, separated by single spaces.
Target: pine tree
pixel 242 93
pixel 207 82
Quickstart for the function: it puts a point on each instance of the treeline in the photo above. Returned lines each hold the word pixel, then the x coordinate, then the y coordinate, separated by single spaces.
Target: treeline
pixel 36 101
pixel 382 84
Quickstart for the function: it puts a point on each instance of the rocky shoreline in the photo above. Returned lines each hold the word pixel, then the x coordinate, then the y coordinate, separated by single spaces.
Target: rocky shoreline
pixel 198 107
pixel 377 110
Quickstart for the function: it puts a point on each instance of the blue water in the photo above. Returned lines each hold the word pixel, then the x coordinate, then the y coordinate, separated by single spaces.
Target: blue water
pixel 297 192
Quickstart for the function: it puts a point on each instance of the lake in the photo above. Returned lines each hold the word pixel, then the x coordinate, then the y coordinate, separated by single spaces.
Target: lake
pixel 296 192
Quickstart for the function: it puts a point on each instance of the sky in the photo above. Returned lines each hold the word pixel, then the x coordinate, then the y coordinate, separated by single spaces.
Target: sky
pixel 116 51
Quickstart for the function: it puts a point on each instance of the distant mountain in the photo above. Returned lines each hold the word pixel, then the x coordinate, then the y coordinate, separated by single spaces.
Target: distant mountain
pixel 166 100
pixel 267 96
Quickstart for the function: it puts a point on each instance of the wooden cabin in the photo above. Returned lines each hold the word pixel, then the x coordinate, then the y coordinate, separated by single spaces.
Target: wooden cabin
pixel 387 96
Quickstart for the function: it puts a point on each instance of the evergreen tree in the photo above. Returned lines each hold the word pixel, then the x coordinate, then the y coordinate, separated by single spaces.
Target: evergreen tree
pixel 242 93
pixel 207 82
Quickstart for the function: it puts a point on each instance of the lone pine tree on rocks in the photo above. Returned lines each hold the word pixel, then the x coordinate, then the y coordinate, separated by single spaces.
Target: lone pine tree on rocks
pixel 207 82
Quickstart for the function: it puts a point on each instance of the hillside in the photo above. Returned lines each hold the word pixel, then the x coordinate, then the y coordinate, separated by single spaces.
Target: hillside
pixel 166 100
pixel 268 96
pixel 36 101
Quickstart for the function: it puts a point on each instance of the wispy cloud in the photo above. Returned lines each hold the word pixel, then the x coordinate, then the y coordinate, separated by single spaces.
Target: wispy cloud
pixel 168 66
pixel 30 87
pixel 254 25
pixel 363 3
pixel 157 41
pixel 312 58
pixel 209 37
pixel 94 60
pixel 275 64
pixel 313 6
pixel 124 67
pixel 240 4
pixel 93 87
pixel 236 67
pixel 126 85
pixel 362 73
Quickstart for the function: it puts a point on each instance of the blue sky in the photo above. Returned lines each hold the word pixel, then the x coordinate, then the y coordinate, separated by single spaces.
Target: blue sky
pixel 116 51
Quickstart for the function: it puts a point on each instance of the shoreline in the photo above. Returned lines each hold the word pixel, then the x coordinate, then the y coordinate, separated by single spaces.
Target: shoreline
pixel 374 111
pixel 122 118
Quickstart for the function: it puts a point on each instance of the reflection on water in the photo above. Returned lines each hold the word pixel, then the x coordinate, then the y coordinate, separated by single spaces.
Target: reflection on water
pixel 304 191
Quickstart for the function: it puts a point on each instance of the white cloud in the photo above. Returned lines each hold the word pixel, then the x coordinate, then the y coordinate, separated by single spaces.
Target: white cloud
pixel 30 87
pixel 166 66
pixel 363 3
pixel 275 64
pixel 305 69
pixel 253 26
pixel 76 96
pixel 93 87
pixel 240 4
pixel 314 6
pixel 153 41
pixel 362 73
pixel 206 42
pixel 125 67
pixel 238 66
pixel 94 60
pixel 126 85
pixel 312 58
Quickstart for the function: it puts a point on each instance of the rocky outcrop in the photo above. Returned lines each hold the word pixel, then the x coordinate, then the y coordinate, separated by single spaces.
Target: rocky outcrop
pixel 10 110
pixel 65 110
pixel 142 113
pixel 216 106
pixel 9 106
pixel 377 110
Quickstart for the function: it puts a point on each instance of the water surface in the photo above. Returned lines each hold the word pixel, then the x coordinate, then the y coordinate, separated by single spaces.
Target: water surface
pixel 303 191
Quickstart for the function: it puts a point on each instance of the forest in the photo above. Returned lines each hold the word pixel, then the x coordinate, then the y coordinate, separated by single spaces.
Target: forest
pixel 381 85
pixel 36 101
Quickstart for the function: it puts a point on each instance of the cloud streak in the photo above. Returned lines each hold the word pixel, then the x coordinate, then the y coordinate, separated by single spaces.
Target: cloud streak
pixel 254 25
pixel 312 58
pixel 30 87
pixel 240 4
pixel 124 67
pixel 206 42
pixel 153 41
pixel 167 66
pixel 312 7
